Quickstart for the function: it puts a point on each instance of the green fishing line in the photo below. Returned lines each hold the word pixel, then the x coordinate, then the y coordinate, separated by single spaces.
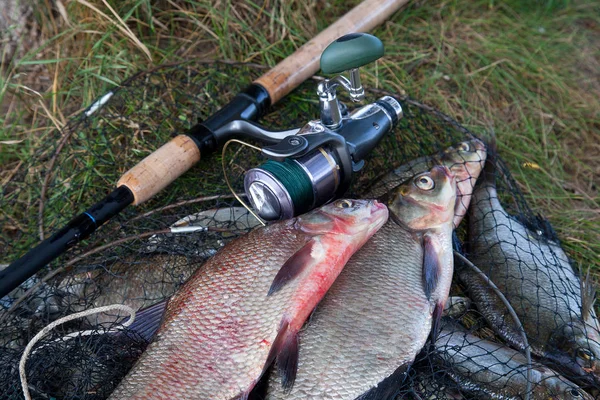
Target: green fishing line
pixel 295 180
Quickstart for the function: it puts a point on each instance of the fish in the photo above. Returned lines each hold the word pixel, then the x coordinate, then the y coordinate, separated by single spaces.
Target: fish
pixel 533 272
pixel 144 279
pixel 137 281
pixel 245 306
pixel 41 303
pixel 456 306
pixel 379 312
pixel 489 370
pixel 227 223
pixel 465 159
pixel 429 384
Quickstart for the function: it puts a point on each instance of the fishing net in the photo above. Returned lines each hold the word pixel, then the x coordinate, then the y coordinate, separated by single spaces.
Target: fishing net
pixel 134 260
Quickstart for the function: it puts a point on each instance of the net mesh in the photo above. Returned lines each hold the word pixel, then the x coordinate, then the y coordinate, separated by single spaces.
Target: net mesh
pixel 132 260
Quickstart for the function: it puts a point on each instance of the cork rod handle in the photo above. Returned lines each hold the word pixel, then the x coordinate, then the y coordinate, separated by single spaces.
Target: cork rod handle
pixel 160 168
pixel 304 63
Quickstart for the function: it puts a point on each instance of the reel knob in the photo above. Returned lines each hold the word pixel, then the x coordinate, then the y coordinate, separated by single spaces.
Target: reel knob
pixel 351 51
pixel 347 53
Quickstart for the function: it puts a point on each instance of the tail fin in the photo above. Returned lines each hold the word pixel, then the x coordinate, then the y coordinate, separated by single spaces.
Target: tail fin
pixel 488 175
pixel 489 139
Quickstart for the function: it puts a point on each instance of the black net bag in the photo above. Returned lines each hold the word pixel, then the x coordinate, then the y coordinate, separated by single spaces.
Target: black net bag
pixel 135 260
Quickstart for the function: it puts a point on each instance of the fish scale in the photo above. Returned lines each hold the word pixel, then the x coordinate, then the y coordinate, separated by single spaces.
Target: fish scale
pixel 511 255
pixel 244 307
pixel 535 275
pixel 182 338
pixel 376 316
pixel 375 337
pixel 490 370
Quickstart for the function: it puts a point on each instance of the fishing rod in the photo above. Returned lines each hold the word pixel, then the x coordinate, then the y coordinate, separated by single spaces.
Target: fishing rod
pixel 307 166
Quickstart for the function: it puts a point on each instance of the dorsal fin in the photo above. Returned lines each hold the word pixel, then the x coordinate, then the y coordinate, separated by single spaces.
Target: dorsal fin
pixel 588 295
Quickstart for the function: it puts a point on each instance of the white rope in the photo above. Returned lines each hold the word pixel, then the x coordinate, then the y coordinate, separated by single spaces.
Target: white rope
pixel 62 320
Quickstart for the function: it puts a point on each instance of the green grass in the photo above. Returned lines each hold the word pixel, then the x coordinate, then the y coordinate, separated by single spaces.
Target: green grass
pixel 527 70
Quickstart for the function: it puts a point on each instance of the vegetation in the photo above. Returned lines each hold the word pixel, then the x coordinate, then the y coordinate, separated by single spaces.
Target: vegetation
pixel 529 71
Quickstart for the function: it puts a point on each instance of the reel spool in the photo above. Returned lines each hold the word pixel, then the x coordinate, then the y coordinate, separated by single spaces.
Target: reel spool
pixel 280 190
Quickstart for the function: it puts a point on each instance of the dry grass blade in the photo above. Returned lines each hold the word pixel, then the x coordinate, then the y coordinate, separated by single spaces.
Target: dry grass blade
pixel 120 24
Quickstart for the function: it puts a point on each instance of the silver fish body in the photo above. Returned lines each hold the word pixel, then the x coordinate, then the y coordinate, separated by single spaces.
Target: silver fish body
pixel 377 315
pixel 489 370
pixel 353 339
pixel 535 275
pixel 230 222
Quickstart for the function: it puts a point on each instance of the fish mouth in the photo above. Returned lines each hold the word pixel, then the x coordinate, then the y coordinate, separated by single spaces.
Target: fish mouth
pixel 377 204
pixel 378 217
pixel 570 369
pixel 446 171
pixel 365 223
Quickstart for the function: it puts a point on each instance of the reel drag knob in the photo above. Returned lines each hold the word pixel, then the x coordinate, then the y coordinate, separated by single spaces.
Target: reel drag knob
pixel 348 53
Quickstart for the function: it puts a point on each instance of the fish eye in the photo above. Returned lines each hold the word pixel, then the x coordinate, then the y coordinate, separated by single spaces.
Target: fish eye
pixel 424 182
pixel 576 394
pixel 585 354
pixel 464 146
pixel 343 203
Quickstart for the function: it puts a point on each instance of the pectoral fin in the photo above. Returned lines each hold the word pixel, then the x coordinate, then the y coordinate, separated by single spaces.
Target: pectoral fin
pixel 293 267
pixel 431 266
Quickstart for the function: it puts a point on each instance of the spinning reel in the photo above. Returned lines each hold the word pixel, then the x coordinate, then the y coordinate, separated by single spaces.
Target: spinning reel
pixel 311 165
pixel 307 166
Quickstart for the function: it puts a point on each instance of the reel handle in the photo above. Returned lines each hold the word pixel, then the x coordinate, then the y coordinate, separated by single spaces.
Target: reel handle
pixel 351 51
pixel 294 70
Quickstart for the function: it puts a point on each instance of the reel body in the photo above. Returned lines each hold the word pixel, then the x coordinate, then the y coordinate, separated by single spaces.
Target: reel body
pixel 312 165
pixel 322 167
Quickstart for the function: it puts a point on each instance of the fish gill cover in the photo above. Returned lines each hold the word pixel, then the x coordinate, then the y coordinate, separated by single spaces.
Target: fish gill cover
pixel 132 260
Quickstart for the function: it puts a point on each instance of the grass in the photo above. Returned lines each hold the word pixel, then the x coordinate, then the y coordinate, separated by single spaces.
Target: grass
pixel 527 70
